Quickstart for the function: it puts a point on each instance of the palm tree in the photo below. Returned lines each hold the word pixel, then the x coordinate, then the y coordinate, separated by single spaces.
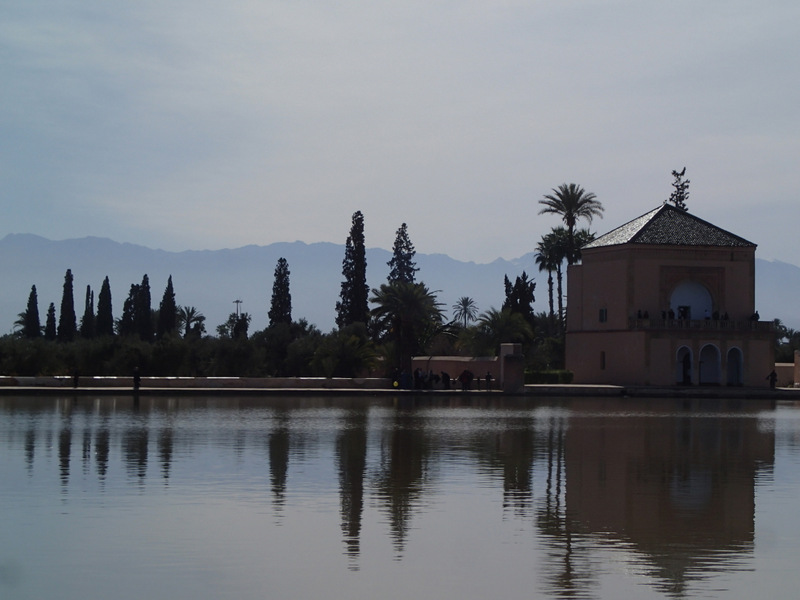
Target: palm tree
pixel 190 319
pixel 582 237
pixel 465 310
pixel 571 202
pixel 407 314
pixel 560 243
pixel 545 259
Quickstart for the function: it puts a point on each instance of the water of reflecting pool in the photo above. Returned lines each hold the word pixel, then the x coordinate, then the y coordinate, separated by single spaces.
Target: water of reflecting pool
pixel 446 497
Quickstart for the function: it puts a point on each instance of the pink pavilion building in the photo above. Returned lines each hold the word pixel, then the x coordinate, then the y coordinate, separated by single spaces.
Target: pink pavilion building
pixel 667 299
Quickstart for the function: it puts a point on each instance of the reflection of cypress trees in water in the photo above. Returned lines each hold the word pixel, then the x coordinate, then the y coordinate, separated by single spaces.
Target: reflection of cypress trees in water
pixel 65 445
pixel 515 451
pixel 239 442
pixel 165 440
pixel 101 444
pixel 351 454
pixel 278 443
pixel 135 440
pixel 403 470
pixel 64 451
pixel 86 455
pixel 30 447
pixel 517 488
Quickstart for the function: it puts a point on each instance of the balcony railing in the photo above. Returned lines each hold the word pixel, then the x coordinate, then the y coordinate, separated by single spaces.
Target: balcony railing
pixel 701 324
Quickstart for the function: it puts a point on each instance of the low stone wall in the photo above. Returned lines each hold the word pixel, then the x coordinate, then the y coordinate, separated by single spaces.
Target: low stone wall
pixel 365 383
pixel 455 365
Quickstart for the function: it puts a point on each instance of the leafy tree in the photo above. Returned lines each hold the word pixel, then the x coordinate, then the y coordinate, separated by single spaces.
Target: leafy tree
pixel 352 306
pixel 346 352
pixel 519 297
pixel 87 321
pixel 571 202
pixel 497 327
pixel 167 312
pixel 408 315
pixel 680 192
pixel 29 323
pixel 402 263
pixel 104 322
pixel 465 310
pixel 281 306
pixel 50 324
pixel 235 327
pixel 191 321
pixel 67 326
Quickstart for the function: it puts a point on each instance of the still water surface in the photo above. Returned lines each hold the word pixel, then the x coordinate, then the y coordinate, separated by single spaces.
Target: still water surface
pixel 287 498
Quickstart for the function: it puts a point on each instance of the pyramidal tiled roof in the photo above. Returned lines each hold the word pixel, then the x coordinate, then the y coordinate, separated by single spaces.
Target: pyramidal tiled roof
pixel 672 226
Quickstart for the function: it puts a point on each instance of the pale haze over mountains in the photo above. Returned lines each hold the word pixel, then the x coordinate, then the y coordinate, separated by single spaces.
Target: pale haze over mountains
pixel 212 280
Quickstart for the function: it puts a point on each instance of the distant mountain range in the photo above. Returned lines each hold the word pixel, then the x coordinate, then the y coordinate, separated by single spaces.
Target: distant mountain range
pixel 211 280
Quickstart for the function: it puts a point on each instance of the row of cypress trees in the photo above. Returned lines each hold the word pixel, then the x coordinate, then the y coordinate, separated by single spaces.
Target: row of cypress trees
pixel 137 317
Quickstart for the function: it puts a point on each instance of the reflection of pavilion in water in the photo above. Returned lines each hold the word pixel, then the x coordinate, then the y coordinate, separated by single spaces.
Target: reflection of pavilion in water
pixel 679 491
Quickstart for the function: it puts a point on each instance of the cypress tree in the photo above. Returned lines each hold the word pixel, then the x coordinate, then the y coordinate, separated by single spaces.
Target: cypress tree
pixel 67 327
pixel 87 321
pixel 281 307
pixel 50 324
pixel 104 323
pixel 127 323
pixel 402 264
pixel 31 325
pixel 142 315
pixel 352 306
pixel 167 312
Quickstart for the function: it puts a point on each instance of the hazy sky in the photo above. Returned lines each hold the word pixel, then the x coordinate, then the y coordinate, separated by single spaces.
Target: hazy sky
pixel 202 125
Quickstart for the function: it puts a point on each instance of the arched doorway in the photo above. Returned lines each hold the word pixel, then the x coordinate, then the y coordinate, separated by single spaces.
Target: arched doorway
pixel 683 366
pixel 710 367
pixel 735 367
pixel 691 300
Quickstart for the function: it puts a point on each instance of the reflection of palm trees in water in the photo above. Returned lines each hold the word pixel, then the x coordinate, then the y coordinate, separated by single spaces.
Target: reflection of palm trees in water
pixel 561 577
pixel 351 455
pixel 511 452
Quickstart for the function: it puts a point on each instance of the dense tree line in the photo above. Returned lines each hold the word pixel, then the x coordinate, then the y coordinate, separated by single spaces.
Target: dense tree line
pixel 406 319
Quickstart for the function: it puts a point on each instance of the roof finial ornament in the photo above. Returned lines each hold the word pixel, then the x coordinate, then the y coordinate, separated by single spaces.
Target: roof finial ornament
pixel 680 193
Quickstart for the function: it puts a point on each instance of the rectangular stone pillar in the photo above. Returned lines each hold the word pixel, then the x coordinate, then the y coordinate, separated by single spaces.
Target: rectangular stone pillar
pixel 512 368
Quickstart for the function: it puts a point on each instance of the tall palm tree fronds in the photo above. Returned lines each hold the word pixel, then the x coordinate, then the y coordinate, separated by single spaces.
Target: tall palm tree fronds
pixel 408 314
pixel 571 202
pixel 465 310
pixel 190 319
